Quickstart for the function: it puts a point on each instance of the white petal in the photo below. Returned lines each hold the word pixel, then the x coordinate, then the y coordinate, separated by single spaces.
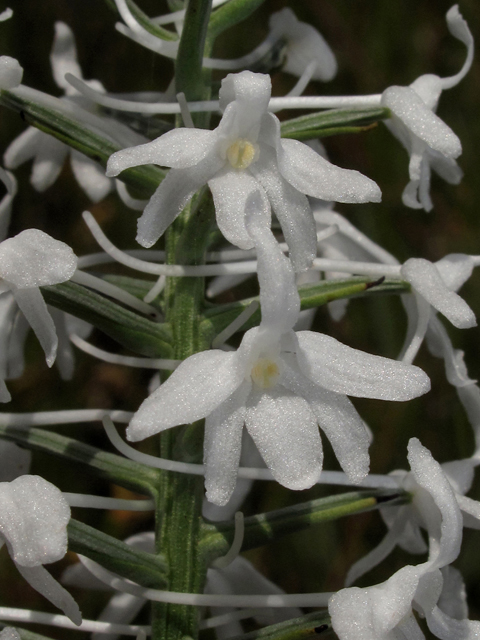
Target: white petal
pixel 42 581
pixel 470 399
pixel 426 279
pixel 9 633
pixel 122 608
pixel 429 475
pixel 178 148
pixel 407 105
pixel 339 368
pixel 22 148
pixel 222 445
pixel 279 297
pixel 4 392
pixel 291 208
pixel 446 168
pixel 460 474
pixel 339 420
pixel 35 259
pixel 171 197
pixel 453 599
pixel 48 162
pixel 10 73
pixel 447 628
pixel 65 355
pixel 33 520
pixel 251 93
pixel 315 176
pixel 230 190
pixel 10 182
pixel 33 307
pixel 63 56
pixel 455 269
pixel 286 434
pixel 199 385
pixel 440 345
pixel 90 176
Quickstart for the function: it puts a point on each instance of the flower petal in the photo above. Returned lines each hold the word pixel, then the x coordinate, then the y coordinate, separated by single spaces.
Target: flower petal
pixel 339 368
pixel 22 148
pixel 199 385
pixel 33 307
pixel 42 581
pixel 90 176
pixel 291 208
pixel 223 445
pixel 11 72
pixel 9 633
pixel 230 190
pixel 315 176
pixel 409 107
pixel 427 280
pixel 48 162
pixel 63 57
pixel 171 197
pixel 286 434
pixel 251 93
pixel 446 628
pixel 455 269
pixel 179 148
pixel 338 419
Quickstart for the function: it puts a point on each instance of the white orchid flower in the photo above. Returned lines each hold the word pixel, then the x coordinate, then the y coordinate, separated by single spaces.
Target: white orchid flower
pixel 430 143
pixel 281 385
pixel 385 611
pixel 9 633
pixel 304 44
pixel 243 154
pixel 48 153
pixel 28 261
pixel 33 524
pixel 11 72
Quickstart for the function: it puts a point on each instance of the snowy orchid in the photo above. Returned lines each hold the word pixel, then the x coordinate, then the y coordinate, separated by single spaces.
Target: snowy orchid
pixel 243 154
pixel 430 143
pixel 33 524
pixel 385 611
pixel 281 385
pixel 47 152
pixel 304 44
pixel 30 260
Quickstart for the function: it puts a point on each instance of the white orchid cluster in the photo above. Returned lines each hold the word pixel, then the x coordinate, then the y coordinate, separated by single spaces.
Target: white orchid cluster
pixel 265 398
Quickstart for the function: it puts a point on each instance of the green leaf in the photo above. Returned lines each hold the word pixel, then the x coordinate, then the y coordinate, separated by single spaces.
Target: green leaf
pixel 265 527
pixel 230 14
pixel 142 18
pixel 144 568
pixel 66 128
pixel 121 471
pixel 131 330
pixel 332 122
pixel 218 317
pixel 313 625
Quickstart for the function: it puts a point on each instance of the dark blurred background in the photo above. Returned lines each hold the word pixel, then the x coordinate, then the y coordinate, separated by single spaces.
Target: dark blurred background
pixel 377 44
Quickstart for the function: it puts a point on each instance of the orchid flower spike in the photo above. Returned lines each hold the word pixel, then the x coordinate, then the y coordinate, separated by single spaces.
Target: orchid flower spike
pixel 33 524
pixel 47 152
pixel 242 155
pixel 429 141
pixel 385 611
pixel 304 44
pixel 280 384
pixel 28 261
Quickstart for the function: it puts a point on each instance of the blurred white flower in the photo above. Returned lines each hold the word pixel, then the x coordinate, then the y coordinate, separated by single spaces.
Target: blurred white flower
pixel 429 141
pixel 11 72
pixel 9 633
pixel 385 611
pixel 33 524
pixel 281 385
pixel 243 154
pixel 28 261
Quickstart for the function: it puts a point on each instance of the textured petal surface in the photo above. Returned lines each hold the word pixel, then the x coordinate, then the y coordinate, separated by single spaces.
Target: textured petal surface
pixel 33 520
pixel 90 176
pixel 426 279
pixel 407 105
pixel 199 385
pixel 251 93
pixel 291 208
pixel 455 269
pixel 171 197
pixel 315 176
pixel 286 434
pixel 230 190
pixel 223 445
pixel 339 368
pixel 178 148
pixel 33 307
pixel 34 259
pixel 340 422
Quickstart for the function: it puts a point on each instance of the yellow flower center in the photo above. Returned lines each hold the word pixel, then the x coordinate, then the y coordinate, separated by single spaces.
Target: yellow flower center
pixel 241 153
pixel 265 373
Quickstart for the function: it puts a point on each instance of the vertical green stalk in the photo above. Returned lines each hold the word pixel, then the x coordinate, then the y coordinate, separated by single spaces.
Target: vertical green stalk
pixel 181 496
